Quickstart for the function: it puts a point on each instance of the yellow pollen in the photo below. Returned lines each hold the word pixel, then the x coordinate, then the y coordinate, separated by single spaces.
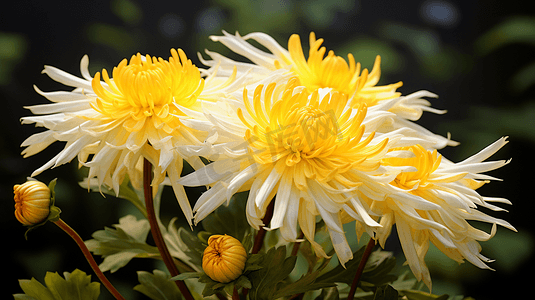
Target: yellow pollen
pixel 148 87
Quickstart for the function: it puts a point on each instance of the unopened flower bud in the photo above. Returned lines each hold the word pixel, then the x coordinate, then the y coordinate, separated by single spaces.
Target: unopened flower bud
pixel 224 258
pixel 32 202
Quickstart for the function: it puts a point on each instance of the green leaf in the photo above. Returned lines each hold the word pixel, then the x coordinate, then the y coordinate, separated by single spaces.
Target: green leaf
pixel 386 292
pixel 187 275
pixel 304 284
pixel 229 219
pixel 243 281
pixel 330 293
pixel 118 246
pixel 275 268
pixel 76 286
pixel 377 269
pixel 375 272
pixel 157 286
pixel 186 246
pixel 419 295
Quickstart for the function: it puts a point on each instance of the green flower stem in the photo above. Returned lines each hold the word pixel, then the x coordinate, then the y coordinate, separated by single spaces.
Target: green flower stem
pixel 157 234
pixel 259 238
pixel 360 268
pixel 89 258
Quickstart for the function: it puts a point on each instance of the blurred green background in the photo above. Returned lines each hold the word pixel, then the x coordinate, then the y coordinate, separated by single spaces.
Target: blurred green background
pixel 476 55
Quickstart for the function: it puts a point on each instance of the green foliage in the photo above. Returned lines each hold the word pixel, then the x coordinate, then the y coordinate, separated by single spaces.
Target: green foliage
pixel 275 268
pixel 229 219
pixel 376 271
pixel 76 286
pixel 386 292
pixel 118 246
pixel 330 293
pixel 185 246
pixel 157 286
pixel 419 295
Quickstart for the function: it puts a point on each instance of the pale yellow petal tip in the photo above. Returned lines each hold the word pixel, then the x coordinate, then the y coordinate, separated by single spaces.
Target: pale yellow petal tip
pixel 32 202
pixel 224 258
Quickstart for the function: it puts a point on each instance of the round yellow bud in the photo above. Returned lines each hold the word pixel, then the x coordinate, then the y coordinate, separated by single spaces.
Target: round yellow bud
pixel 224 258
pixel 32 202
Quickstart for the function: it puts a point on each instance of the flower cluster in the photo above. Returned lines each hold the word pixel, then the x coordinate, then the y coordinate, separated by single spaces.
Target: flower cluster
pixel 312 137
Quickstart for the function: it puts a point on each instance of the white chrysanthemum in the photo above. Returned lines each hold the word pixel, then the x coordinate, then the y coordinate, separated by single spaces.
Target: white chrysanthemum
pixel 309 153
pixel 332 72
pixel 435 203
pixel 112 125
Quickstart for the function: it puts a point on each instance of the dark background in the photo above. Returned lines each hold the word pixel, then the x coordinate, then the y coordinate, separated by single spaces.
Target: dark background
pixel 476 55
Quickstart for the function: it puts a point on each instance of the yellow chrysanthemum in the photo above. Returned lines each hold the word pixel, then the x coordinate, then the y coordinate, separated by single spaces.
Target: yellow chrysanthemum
pixel 433 201
pixel 315 72
pixel 309 153
pixel 146 89
pixel 329 72
pixel 32 202
pixel 224 258
pixel 112 125
pixel 334 72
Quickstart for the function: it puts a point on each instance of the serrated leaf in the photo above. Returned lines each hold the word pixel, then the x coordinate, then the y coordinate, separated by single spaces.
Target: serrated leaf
pixel 243 281
pixel 118 246
pixel 35 289
pixel 229 219
pixel 386 292
pixel 304 284
pixel 186 246
pixel 187 275
pixel 276 268
pixel 23 297
pixel 375 273
pixel 76 286
pixel 157 286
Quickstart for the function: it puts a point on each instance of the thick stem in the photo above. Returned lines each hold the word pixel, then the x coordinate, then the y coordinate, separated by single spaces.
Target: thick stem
pixel 157 234
pixel 259 238
pixel 360 268
pixel 89 258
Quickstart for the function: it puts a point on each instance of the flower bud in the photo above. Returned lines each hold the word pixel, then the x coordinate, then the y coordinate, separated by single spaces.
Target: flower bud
pixel 32 202
pixel 224 258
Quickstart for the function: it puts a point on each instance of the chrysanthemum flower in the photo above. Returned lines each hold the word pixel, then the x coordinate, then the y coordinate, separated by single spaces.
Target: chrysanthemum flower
pixel 327 72
pixel 315 72
pixel 312 151
pixel 32 202
pixel 224 258
pixel 434 203
pixel 111 125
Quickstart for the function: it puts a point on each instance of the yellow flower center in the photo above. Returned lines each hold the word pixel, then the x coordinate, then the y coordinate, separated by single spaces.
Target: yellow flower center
pixel 334 72
pixel 425 161
pixel 319 138
pixel 147 88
